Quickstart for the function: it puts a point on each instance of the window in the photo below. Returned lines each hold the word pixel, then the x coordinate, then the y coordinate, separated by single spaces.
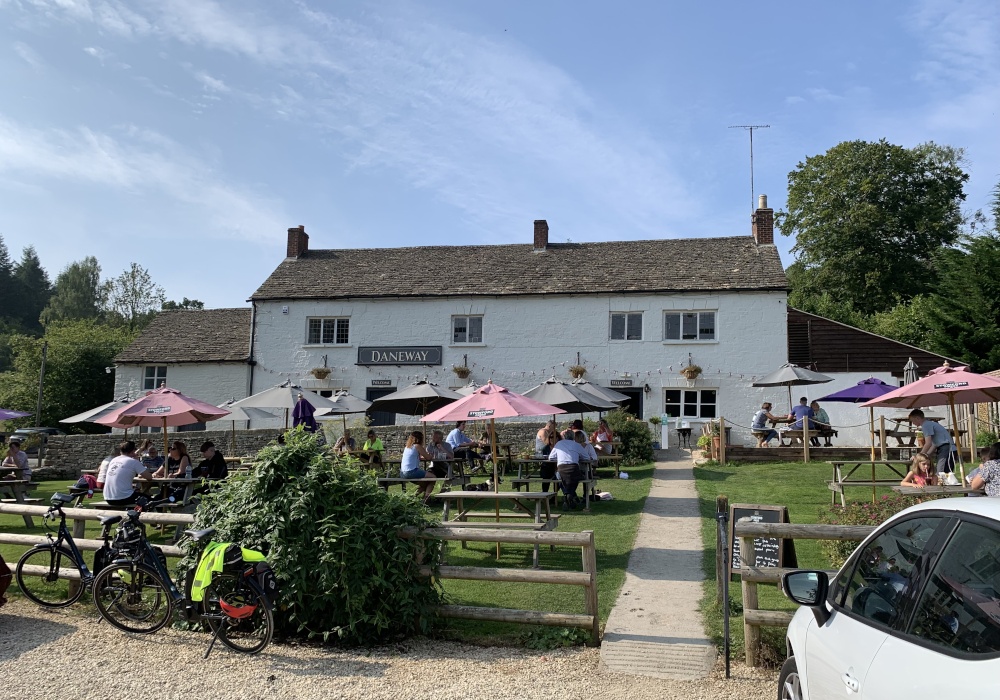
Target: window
pixel 689 325
pixel 690 403
pixel 154 378
pixel 466 329
pixel 960 606
pixel 329 331
pixel 626 326
pixel 876 586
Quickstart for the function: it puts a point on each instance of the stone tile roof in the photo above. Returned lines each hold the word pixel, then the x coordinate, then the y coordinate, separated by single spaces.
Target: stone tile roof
pixel 192 335
pixel 673 265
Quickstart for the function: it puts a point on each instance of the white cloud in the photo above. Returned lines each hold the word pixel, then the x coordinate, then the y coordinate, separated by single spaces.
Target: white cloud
pixel 138 161
pixel 211 84
pixel 28 55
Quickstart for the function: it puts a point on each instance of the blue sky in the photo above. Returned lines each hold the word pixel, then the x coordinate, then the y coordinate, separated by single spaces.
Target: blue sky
pixel 188 135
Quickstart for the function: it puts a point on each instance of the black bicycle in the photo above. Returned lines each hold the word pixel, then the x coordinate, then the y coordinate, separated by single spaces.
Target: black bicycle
pixel 54 574
pixel 136 593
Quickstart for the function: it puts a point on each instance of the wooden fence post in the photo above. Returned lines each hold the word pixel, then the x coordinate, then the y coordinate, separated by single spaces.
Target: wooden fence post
pixel 881 437
pixel 751 632
pixel 721 565
pixel 805 439
pixel 722 440
pixel 590 567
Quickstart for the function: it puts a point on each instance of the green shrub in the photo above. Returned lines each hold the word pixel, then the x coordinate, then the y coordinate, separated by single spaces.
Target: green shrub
pixel 985 438
pixel 330 533
pixel 637 442
pixel 862 514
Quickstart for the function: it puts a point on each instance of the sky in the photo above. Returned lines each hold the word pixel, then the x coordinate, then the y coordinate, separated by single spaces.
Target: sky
pixel 189 135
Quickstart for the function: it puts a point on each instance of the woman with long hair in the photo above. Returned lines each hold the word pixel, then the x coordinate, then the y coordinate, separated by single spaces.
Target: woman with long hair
pixel 410 467
pixel 921 472
pixel 177 461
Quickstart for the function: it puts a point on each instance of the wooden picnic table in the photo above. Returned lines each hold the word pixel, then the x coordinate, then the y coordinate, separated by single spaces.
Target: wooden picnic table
pixel 920 490
pixel 167 481
pixel 17 490
pixel 840 480
pixel 532 504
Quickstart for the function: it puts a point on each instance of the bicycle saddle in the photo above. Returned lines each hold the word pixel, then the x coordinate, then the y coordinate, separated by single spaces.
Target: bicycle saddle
pixel 110 520
pixel 200 534
pixel 63 498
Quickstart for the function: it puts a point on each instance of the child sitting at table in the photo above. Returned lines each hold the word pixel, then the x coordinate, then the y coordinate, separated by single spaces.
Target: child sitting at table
pixel 920 473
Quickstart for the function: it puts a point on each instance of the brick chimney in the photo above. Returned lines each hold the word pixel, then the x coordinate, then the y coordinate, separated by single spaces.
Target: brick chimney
pixel 298 241
pixel 762 222
pixel 541 235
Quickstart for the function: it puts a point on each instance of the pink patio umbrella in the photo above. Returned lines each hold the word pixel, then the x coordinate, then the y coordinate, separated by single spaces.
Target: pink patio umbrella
pixel 944 386
pixel 161 408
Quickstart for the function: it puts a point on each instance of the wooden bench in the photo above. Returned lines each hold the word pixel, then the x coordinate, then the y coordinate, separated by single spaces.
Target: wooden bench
pixel 796 435
pixel 386 482
pixel 551 524
pixel 589 487
pixel 838 486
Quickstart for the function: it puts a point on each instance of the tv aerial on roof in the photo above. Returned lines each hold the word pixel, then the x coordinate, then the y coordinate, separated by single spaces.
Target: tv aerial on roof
pixel 750 128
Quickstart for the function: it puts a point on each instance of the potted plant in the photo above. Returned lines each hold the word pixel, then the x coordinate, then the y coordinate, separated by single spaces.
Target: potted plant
pixel 461 371
pixel 691 372
pixel 320 372
pixel 655 422
pixel 577 371
pixel 705 443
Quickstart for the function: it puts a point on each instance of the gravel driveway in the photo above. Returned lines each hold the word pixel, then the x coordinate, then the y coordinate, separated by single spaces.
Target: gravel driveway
pixel 68 654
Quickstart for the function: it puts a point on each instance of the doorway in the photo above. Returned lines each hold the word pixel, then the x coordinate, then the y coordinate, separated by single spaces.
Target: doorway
pixel 380 417
pixel 634 403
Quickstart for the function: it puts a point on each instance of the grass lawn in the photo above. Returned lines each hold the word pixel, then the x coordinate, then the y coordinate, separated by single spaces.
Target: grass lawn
pixel 614 523
pixel 801 487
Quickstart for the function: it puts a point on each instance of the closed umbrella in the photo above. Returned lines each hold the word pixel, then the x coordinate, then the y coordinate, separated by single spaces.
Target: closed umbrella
pixel 792 375
pixel 911 372
pixel 600 391
pixel 302 414
pixel 236 413
pixel 570 398
pixel 161 408
pixel 284 396
pixel 418 399
pixel 863 391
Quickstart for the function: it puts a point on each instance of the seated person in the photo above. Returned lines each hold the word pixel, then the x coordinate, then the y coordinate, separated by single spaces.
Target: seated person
pixel 372 449
pixel 568 454
pixel 346 443
pixel 591 462
pixel 439 450
pixel 921 472
pixel 410 468
pixel 801 413
pixel 16 457
pixel 603 437
pixel 987 477
pixel 463 445
pixel 820 422
pixel 152 459
pixel 122 470
pixel 102 471
pixel 213 466
pixel 177 462
pixel 759 427
pixel 545 438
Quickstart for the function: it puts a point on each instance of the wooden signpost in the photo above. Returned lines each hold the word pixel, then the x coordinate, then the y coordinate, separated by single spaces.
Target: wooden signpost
pixel 768 551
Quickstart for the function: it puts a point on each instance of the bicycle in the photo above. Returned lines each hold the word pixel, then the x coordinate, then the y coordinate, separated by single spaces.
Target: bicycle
pixel 59 560
pixel 234 600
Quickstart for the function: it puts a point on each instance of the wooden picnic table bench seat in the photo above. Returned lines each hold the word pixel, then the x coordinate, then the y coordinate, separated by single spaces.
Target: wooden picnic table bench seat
pixel 387 481
pixel 796 435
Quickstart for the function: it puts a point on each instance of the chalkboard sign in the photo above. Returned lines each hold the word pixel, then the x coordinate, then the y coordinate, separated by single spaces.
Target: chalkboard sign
pixel 768 551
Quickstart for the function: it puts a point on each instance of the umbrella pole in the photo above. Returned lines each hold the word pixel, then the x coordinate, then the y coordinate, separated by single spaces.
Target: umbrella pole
pixel 790 405
pixel 233 443
pixel 496 481
pixel 871 429
pixel 958 437
pixel 286 419
pixel 166 448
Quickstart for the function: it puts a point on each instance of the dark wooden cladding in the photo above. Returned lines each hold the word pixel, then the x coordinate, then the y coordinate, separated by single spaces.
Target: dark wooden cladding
pixel 828 346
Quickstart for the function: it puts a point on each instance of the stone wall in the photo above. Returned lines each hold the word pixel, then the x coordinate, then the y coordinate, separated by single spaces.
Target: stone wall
pixel 66 455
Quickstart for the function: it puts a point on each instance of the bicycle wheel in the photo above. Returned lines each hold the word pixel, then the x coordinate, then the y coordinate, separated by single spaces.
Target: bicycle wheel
pixel 249 635
pixel 44 575
pixel 132 597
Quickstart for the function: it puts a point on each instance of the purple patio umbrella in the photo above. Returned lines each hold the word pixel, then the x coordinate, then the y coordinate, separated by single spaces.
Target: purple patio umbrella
pixel 865 390
pixel 302 414
pixel 7 414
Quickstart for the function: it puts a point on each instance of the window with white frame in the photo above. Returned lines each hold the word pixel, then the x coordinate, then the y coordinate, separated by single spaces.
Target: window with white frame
pixel 626 326
pixel 328 331
pixel 466 329
pixel 689 325
pixel 154 377
pixel 690 403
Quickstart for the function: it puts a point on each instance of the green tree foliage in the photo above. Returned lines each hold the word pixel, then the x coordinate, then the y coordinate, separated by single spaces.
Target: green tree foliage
pixel 868 219
pixel 637 442
pixel 908 322
pixel 132 298
pixel 33 289
pixel 79 293
pixel 8 286
pixel 185 304
pixel 75 376
pixel 331 535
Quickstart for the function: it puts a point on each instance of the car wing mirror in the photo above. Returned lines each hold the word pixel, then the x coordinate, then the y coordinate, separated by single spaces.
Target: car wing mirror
pixel 808 588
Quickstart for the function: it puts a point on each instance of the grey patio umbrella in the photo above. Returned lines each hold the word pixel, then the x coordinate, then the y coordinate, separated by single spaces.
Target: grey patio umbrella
pixel 600 391
pixel 418 399
pixel 95 413
pixel 570 398
pixel 467 389
pixel 345 404
pixel 243 413
pixel 282 396
pixel 911 372
pixel 792 375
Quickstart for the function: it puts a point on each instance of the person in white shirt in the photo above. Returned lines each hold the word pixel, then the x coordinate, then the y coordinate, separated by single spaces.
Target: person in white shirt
pixel 122 470
pixel 568 454
pixel 102 471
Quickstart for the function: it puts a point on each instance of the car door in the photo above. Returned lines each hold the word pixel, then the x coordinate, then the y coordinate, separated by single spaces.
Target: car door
pixel 868 600
pixel 951 646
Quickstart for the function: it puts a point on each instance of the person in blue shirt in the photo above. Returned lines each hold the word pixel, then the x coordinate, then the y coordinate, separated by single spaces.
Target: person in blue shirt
pixel 463 445
pixel 937 438
pixel 801 412
pixel 568 454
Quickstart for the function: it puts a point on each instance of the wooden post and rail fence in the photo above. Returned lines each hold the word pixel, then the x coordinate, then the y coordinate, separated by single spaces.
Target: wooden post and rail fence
pixel 586 579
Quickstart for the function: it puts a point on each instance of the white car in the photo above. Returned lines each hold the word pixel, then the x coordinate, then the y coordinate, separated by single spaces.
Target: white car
pixel 913 614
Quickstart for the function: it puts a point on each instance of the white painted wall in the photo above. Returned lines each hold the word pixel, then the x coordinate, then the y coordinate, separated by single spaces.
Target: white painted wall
pixel 215 383
pixel 849 414
pixel 525 337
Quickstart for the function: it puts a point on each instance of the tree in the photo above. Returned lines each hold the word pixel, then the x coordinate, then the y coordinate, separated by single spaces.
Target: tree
pixel 34 290
pixel 133 299
pixel 185 304
pixel 8 286
pixel 908 322
pixel 78 295
pixel 868 219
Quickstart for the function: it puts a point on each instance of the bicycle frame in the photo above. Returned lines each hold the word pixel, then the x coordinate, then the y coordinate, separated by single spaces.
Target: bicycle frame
pixel 64 536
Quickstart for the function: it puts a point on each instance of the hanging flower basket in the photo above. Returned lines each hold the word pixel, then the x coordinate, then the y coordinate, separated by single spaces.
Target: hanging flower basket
pixel 320 372
pixel 691 372
pixel 577 371
pixel 461 371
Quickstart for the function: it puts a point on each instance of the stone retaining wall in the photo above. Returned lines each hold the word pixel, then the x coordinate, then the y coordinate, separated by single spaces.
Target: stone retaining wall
pixel 66 455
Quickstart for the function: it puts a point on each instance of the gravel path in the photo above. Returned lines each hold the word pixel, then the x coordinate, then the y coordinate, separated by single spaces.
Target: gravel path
pixel 67 654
